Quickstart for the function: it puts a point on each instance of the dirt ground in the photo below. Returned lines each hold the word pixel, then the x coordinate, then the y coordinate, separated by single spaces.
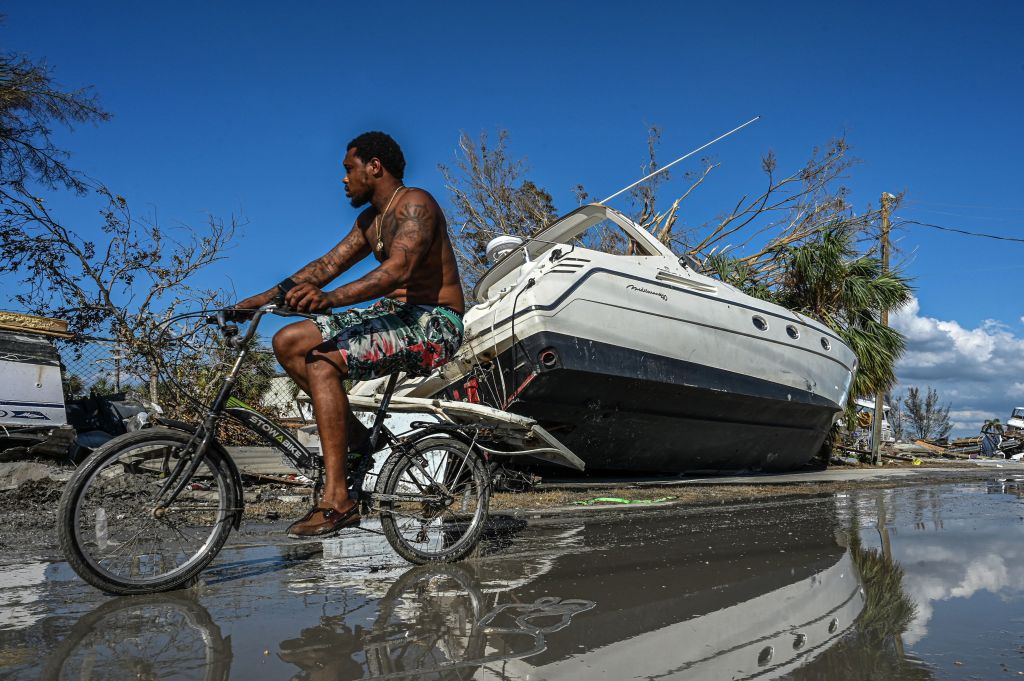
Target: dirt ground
pixel 703 494
pixel 29 511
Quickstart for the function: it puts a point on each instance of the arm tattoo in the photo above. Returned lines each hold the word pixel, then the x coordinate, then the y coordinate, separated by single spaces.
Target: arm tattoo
pixel 414 232
pixel 324 269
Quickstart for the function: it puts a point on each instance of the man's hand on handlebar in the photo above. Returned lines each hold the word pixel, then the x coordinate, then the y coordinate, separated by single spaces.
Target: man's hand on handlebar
pixel 302 297
pixel 305 297
pixel 245 309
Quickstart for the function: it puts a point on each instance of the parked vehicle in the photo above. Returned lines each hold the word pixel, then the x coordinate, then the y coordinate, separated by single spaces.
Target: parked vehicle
pixel 36 416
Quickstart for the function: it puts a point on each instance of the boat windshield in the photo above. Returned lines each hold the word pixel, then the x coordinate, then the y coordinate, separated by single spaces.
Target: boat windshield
pixel 607 236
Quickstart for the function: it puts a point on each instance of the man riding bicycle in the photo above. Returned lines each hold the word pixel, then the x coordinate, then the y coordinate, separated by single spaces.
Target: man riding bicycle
pixel 415 326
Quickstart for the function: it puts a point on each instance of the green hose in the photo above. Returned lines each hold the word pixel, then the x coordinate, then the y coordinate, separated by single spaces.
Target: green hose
pixel 619 500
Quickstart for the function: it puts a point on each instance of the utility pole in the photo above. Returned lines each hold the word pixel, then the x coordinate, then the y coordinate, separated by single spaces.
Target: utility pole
pixel 876 421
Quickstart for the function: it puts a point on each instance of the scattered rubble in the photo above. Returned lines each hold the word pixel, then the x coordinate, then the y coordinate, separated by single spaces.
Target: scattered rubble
pixel 962 448
pixel 14 474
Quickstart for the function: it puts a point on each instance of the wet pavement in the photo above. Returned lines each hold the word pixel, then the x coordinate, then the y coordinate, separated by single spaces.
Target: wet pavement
pixel 908 583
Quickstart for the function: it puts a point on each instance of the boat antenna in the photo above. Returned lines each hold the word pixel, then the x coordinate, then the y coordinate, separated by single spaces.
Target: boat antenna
pixel 681 158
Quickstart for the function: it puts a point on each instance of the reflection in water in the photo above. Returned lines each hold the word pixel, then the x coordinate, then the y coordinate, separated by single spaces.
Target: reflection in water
pixel 962 574
pixel 432 623
pixel 732 594
pixel 804 590
pixel 534 621
pixel 722 595
pixel 325 651
pixel 874 647
pixel 167 636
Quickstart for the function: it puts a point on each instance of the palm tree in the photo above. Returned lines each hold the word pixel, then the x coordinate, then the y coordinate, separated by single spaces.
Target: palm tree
pixel 827 278
pixel 992 426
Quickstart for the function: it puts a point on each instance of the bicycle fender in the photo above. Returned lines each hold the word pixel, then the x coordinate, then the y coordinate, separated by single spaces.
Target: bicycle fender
pixel 440 429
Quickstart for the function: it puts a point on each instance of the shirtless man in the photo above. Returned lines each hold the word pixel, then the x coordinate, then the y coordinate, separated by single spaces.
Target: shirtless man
pixel 414 327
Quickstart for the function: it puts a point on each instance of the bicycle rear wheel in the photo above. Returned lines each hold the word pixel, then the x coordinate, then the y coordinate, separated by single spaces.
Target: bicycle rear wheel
pixel 433 497
pixel 426 626
pixel 107 526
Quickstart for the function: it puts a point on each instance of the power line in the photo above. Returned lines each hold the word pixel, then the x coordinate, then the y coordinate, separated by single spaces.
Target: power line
pixel 962 231
pixel 961 205
pixel 961 215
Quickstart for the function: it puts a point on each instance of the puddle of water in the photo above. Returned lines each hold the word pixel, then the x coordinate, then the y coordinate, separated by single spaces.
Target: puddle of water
pixel 876 584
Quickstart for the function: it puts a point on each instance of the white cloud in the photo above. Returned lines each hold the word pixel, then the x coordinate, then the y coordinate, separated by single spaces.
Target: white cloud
pixel 977 370
pixel 935 573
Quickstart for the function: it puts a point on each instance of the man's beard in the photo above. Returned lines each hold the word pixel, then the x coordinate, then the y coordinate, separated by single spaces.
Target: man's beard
pixel 360 200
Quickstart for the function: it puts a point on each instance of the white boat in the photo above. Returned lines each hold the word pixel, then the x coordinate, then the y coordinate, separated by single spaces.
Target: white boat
pixel 1015 424
pixel 637 361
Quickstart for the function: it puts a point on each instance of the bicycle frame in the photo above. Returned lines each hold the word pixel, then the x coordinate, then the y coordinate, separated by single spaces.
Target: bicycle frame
pixel 272 433
pixel 275 435
pixel 291 448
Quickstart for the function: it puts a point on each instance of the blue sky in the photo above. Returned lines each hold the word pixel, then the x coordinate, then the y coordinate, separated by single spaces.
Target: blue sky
pixel 245 108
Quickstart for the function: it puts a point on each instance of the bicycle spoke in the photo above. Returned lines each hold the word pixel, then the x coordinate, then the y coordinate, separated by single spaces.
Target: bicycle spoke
pixel 131 541
pixel 180 534
pixel 462 467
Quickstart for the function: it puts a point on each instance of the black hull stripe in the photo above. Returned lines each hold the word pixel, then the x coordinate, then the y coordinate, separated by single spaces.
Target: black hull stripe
pixel 604 359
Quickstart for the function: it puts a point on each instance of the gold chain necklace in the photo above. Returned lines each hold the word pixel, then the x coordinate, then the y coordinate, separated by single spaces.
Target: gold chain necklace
pixel 380 218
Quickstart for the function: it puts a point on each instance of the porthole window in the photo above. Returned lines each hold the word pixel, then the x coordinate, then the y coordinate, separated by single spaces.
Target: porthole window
pixel 793 332
pixel 833 626
pixel 765 656
pixel 825 344
pixel 800 641
pixel 759 323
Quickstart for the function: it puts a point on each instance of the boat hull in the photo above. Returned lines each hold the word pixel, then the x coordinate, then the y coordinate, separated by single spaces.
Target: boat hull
pixel 621 409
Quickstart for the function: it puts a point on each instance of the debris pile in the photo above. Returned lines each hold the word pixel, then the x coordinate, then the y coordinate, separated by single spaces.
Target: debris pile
pixel 984 446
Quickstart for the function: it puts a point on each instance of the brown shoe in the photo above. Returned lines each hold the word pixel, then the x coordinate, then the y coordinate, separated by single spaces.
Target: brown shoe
pixel 323 522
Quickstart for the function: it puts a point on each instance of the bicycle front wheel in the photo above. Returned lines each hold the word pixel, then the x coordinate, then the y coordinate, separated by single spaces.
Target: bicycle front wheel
pixel 433 496
pixel 111 531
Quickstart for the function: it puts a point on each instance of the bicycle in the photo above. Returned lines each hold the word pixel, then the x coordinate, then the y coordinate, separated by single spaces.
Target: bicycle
pixel 149 510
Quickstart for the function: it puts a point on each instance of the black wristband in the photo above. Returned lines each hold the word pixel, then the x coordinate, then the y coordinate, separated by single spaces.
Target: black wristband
pixel 286 285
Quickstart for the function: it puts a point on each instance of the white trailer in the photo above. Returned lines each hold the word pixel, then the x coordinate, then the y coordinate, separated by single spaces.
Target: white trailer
pixel 32 410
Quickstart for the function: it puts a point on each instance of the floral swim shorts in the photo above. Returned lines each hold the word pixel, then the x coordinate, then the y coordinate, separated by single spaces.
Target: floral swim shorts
pixel 392 336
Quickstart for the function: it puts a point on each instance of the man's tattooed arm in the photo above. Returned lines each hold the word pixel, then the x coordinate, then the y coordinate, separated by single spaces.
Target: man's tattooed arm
pixel 413 233
pixel 316 274
pixel 327 267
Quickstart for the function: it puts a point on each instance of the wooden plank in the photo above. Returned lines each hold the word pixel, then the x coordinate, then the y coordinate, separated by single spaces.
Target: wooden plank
pixel 930 447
